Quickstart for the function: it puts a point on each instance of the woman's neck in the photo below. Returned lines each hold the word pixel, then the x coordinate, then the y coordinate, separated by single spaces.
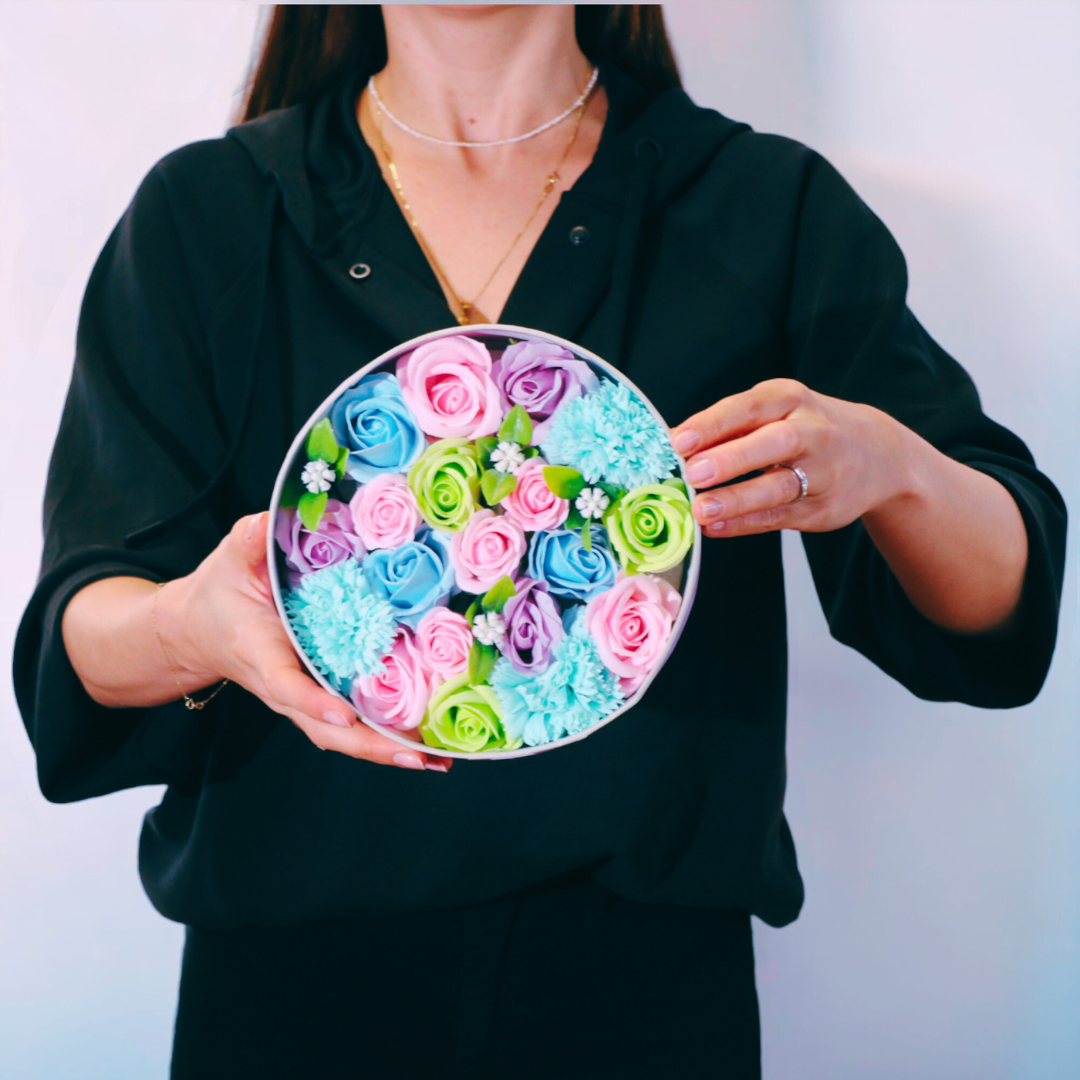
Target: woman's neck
pixel 480 72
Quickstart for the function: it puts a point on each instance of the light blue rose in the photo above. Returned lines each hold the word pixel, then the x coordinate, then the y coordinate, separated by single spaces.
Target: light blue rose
pixel 413 578
pixel 560 559
pixel 374 422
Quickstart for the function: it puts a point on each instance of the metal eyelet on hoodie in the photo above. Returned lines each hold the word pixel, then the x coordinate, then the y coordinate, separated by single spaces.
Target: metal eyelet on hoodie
pixel 359 271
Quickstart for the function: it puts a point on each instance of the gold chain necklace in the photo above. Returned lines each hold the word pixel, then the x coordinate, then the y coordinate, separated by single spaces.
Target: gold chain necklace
pixel 467 307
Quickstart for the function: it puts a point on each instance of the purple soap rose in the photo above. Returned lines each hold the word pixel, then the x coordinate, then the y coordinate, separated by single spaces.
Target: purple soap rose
pixel 333 541
pixel 540 377
pixel 533 626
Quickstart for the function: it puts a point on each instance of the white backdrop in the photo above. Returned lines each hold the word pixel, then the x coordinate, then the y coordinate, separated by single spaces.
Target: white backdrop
pixel 940 845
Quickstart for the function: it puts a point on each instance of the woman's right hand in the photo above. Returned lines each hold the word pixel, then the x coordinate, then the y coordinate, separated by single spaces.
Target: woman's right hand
pixel 220 622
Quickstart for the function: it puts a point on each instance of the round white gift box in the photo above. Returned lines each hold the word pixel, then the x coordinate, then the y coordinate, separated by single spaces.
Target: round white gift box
pixel 690 565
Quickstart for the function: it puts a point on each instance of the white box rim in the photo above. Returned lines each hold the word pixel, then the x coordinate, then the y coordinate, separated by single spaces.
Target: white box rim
pixel 487 330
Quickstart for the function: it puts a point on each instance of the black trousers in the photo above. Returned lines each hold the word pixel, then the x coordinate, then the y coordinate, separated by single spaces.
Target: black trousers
pixel 567 982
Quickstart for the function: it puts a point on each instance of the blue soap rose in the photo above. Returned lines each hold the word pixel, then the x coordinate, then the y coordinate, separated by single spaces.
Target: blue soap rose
pixel 374 422
pixel 412 578
pixel 560 559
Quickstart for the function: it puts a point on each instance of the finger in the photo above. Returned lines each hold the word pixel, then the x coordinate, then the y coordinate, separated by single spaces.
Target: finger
pixel 738 414
pixel 294 693
pixel 271 670
pixel 779 441
pixel 789 516
pixel 330 723
pixel 248 538
pixel 434 762
pixel 780 487
pixel 287 687
pixel 361 741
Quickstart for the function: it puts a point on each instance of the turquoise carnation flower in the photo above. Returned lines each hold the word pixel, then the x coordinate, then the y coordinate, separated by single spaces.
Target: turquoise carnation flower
pixel 610 435
pixel 341 625
pixel 573 693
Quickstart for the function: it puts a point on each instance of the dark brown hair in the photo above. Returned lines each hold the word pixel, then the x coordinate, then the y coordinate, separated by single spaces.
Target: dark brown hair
pixel 313 48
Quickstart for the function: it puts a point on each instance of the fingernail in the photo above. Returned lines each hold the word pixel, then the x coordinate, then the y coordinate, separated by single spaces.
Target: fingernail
pixel 686 441
pixel 252 525
pixel 437 766
pixel 710 508
pixel 336 718
pixel 702 472
pixel 408 761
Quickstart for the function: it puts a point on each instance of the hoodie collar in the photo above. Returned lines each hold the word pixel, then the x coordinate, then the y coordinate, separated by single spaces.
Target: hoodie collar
pixel 333 194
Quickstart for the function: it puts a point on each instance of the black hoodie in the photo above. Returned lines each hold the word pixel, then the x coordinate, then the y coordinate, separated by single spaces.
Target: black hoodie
pixel 707 258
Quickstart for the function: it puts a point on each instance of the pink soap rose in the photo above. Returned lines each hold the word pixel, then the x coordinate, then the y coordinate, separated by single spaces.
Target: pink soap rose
pixel 399 695
pixel 490 547
pixel 631 624
pixel 532 504
pixel 448 386
pixel 444 640
pixel 384 512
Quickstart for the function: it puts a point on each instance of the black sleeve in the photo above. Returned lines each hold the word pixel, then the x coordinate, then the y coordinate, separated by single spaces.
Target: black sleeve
pixel 140 434
pixel 851 335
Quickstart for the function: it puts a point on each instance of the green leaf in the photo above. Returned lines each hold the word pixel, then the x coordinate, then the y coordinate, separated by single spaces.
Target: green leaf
pixel 677 483
pixel 575 519
pixel 613 493
pixel 342 460
pixel 517 427
pixel 484 446
pixel 495 598
pixel 321 442
pixel 563 481
pixel 586 536
pixel 496 485
pixel 474 607
pixel 481 663
pixel 531 451
pixel 291 492
pixel 311 508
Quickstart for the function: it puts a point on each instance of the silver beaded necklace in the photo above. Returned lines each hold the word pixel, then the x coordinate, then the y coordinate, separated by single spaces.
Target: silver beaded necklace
pixel 580 100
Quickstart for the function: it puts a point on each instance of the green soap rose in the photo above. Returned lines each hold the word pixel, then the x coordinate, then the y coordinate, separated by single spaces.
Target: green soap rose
pixel 463 717
pixel 445 480
pixel 650 528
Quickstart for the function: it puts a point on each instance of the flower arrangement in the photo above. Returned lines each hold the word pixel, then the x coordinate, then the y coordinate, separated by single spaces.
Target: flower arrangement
pixel 483 541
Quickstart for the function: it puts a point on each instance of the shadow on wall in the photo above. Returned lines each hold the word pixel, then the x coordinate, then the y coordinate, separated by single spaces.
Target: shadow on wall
pixel 941 934
pixel 938 938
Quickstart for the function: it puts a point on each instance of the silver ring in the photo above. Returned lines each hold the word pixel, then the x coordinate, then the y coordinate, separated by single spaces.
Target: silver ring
pixel 804 483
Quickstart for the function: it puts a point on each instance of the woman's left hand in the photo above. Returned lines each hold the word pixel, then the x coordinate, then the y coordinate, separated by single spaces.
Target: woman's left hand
pixel 855 459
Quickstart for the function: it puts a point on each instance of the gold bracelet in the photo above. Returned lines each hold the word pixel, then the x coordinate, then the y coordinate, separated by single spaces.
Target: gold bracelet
pixel 189 702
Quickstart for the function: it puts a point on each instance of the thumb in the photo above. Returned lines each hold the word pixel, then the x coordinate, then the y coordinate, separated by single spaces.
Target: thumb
pixel 248 537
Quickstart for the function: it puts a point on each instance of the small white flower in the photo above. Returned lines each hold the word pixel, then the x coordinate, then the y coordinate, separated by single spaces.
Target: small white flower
pixel 592 502
pixel 507 457
pixel 489 628
pixel 317 476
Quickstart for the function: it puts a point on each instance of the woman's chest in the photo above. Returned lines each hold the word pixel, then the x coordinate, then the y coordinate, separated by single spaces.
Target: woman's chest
pixel 692 333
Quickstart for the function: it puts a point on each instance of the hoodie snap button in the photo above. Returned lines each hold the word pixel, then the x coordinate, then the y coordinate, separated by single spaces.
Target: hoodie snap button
pixel 359 271
pixel 579 235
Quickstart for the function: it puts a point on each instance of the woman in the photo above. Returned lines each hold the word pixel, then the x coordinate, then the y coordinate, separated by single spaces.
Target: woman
pixel 584 913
